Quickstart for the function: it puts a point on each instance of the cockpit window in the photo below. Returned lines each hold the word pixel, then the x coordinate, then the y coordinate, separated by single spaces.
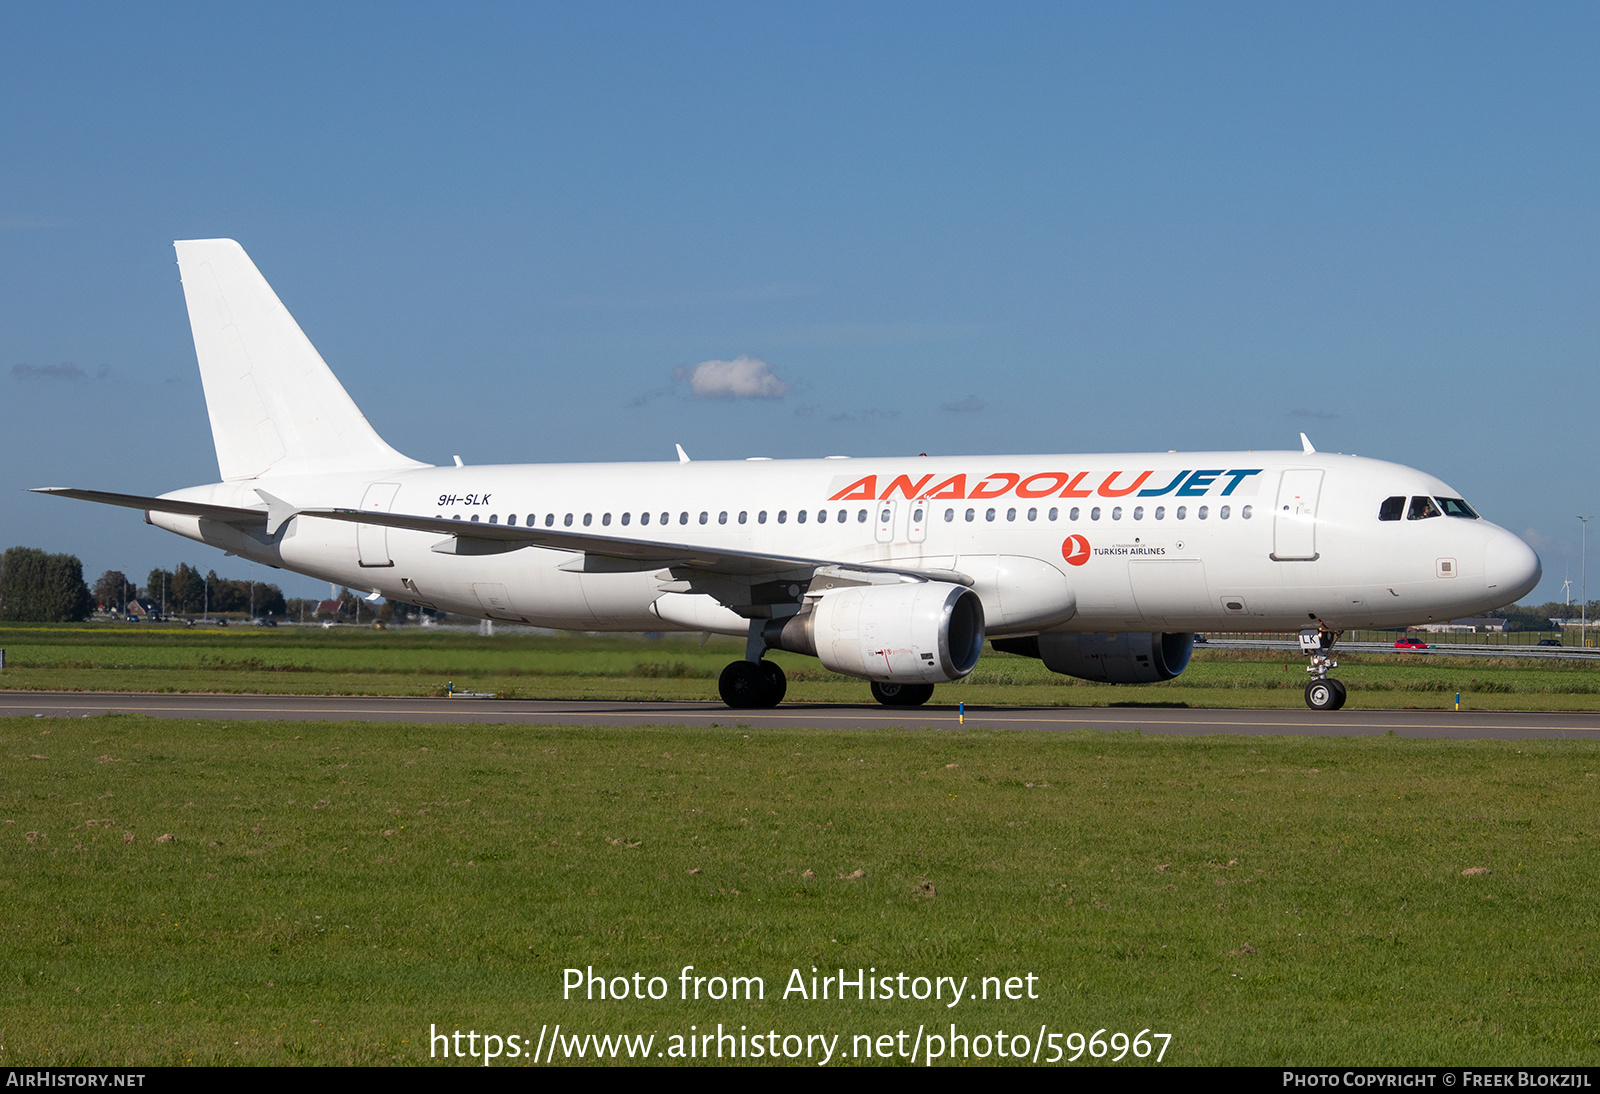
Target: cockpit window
pixel 1422 509
pixel 1392 508
pixel 1455 507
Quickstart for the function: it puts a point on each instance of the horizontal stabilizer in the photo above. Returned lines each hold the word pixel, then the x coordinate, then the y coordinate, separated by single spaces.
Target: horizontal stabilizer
pixel 226 514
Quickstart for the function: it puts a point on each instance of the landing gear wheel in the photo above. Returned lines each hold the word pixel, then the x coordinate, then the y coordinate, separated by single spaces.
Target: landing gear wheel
pixel 777 683
pixel 902 695
pixel 1327 694
pixel 746 685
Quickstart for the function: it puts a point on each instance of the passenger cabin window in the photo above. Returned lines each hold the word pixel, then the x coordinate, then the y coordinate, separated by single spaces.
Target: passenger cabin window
pixel 1392 508
pixel 1422 508
pixel 625 517
pixel 1455 507
pixel 861 516
pixel 644 518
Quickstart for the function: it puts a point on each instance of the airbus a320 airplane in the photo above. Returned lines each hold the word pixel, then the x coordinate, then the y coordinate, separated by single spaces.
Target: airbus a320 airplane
pixel 890 570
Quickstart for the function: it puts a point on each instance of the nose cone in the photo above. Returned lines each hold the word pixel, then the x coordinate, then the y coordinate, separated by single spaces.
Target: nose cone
pixel 1510 568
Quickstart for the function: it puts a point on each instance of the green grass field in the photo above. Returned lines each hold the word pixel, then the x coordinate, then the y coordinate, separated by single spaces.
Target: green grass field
pixel 264 893
pixel 416 661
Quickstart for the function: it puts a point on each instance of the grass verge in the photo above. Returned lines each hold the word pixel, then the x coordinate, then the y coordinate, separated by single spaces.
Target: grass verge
pixel 272 893
pixel 349 661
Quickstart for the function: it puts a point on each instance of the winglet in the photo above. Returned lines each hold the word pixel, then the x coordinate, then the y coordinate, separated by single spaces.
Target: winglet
pixel 279 512
pixel 683 457
pixel 1305 445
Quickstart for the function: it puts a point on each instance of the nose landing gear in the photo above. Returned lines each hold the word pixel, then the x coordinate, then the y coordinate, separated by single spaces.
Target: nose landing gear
pixel 1323 692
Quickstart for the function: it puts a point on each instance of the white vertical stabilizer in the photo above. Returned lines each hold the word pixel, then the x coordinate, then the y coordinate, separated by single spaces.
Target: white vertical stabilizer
pixel 275 406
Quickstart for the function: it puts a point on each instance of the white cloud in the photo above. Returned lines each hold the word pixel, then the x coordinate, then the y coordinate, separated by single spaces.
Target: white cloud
pixel 741 378
pixel 66 371
pixel 1540 542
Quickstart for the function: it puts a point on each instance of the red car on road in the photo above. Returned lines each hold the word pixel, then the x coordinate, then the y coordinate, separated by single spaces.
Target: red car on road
pixel 1411 644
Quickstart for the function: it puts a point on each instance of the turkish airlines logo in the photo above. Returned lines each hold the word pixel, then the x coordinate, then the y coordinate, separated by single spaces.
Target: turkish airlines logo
pixel 1075 549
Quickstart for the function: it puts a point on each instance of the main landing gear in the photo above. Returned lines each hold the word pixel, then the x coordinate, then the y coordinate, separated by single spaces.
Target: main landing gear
pixel 902 695
pixel 1323 692
pixel 748 684
pixel 753 683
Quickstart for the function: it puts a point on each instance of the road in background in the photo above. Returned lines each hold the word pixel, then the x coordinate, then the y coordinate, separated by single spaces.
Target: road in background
pixel 1451 649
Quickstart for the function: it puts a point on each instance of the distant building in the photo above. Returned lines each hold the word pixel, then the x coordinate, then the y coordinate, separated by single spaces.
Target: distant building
pixel 143 607
pixel 1465 626
pixel 327 607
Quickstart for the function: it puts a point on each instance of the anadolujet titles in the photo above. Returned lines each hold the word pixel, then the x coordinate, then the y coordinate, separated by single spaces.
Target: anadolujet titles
pixel 891 570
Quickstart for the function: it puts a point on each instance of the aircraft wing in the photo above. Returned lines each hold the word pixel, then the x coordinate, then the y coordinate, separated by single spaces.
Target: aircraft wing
pixel 226 514
pixel 599 553
pixel 613 553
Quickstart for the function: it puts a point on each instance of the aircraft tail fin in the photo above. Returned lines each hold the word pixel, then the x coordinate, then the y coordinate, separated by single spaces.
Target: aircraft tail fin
pixel 274 404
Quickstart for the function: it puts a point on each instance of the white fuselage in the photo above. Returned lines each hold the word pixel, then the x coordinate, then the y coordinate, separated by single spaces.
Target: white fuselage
pixel 1219 541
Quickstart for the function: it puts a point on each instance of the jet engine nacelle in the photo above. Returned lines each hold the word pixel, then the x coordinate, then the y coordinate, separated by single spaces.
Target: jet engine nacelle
pixel 924 632
pixel 1130 657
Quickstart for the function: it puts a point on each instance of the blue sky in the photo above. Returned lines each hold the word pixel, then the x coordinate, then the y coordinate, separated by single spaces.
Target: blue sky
pixel 946 228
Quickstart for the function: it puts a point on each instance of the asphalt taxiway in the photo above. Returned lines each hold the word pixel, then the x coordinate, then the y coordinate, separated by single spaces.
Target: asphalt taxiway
pixel 1461 725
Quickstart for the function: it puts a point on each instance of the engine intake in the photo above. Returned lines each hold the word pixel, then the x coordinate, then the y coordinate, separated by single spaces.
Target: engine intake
pixel 923 632
pixel 1131 657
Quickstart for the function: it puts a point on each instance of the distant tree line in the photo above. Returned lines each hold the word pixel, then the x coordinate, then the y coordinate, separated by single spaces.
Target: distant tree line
pixel 186 592
pixel 36 587
pixel 1536 617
